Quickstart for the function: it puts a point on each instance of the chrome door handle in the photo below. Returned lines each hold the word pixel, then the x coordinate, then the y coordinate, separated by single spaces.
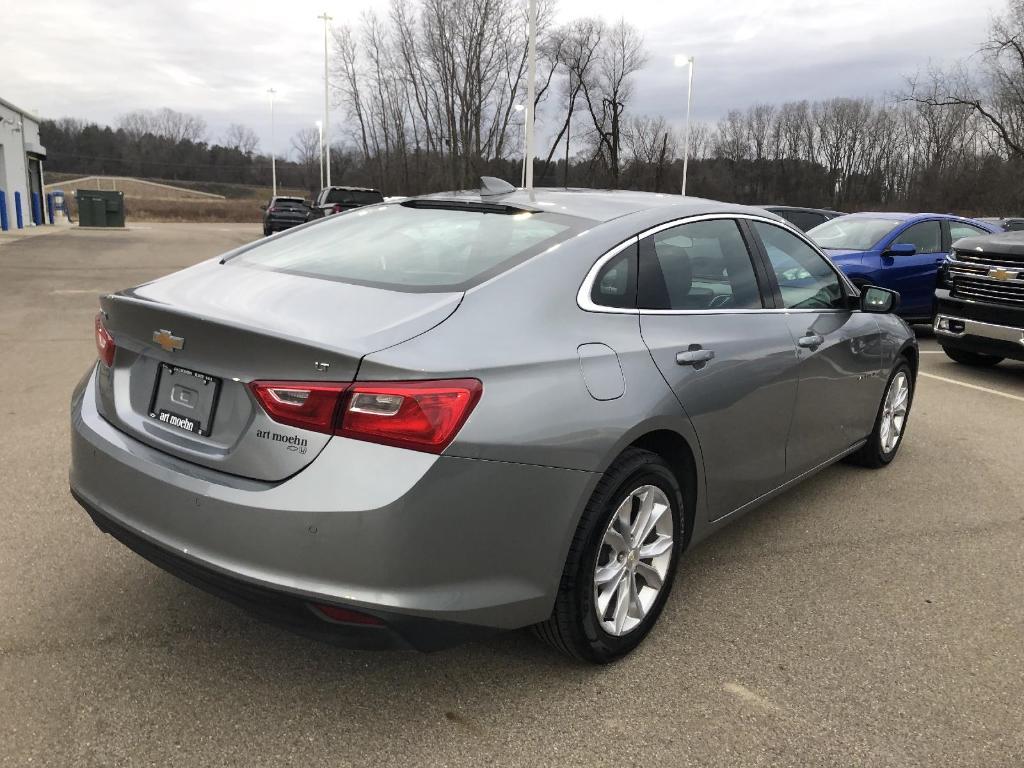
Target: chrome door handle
pixel 695 356
pixel 811 341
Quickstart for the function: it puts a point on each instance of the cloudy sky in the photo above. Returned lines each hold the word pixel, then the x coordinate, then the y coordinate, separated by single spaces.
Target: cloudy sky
pixel 97 59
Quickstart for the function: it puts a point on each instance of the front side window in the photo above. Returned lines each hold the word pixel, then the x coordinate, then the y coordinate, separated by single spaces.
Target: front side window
pixel 703 265
pixel 806 280
pixel 401 247
pixel 925 236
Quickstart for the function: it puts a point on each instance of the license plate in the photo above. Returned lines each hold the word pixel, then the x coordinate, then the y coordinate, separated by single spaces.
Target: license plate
pixel 185 399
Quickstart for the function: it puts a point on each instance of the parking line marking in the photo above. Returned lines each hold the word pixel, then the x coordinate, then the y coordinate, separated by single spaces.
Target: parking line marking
pixel 972 386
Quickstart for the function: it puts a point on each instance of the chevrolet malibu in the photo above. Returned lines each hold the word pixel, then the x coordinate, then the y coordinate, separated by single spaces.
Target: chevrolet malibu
pixel 422 421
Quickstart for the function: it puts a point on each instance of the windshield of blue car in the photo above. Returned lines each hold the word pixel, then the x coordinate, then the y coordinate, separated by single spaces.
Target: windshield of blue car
pixel 413 249
pixel 854 233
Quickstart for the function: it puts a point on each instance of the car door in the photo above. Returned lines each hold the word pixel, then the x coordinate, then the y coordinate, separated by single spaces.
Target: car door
pixel 915 276
pixel 729 359
pixel 839 347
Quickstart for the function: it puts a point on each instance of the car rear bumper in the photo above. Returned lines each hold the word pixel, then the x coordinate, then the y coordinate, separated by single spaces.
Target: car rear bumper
pixel 439 548
pixel 979 327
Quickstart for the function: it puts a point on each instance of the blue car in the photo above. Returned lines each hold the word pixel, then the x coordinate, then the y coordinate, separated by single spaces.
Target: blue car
pixel 899 251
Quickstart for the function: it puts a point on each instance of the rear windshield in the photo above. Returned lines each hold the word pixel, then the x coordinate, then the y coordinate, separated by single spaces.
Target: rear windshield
pixel 856 233
pixel 290 200
pixel 412 249
pixel 357 196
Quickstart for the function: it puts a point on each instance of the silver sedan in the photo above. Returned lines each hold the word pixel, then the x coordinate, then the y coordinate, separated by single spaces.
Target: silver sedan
pixel 422 421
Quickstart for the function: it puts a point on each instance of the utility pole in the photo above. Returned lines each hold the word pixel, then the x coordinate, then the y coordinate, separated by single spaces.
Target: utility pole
pixel 273 156
pixel 320 154
pixel 327 119
pixel 531 76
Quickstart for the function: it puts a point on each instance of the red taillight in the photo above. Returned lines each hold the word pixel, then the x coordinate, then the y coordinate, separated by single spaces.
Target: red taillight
pixel 271 210
pixel 334 613
pixel 423 415
pixel 337 208
pixel 104 342
pixel 306 405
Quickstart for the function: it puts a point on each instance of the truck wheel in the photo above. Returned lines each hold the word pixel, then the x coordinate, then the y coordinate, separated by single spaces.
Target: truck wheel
pixel 972 358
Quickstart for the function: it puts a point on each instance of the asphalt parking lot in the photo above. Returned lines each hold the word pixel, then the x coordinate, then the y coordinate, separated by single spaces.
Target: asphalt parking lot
pixel 865 618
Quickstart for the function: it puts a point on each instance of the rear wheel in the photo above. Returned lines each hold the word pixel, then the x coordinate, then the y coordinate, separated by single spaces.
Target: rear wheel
pixel 621 562
pixel 972 358
pixel 891 422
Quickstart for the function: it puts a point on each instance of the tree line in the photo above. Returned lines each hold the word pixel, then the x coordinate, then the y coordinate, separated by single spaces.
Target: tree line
pixel 433 93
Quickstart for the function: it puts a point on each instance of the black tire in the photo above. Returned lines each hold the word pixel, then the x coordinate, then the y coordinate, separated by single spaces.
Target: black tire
pixel 975 359
pixel 573 627
pixel 872 454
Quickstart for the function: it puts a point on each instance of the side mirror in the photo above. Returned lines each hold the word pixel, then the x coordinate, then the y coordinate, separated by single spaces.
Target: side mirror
pixel 881 301
pixel 263 207
pixel 901 249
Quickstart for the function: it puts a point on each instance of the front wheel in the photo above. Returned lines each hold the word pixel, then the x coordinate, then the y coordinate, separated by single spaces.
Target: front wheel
pixel 621 563
pixel 891 421
pixel 972 358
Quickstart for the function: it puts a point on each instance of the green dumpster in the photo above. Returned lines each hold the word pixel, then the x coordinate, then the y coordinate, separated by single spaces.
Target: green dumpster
pixel 97 208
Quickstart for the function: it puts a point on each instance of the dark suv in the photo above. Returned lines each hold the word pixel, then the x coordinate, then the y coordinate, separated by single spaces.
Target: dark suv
pixel 803 218
pixel 980 319
pixel 338 199
pixel 283 212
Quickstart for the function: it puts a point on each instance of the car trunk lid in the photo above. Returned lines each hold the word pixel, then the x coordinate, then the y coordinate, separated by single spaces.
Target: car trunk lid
pixel 188 344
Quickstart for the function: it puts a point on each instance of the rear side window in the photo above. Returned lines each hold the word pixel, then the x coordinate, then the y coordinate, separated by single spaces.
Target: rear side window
pixel 353 197
pixel 959 230
pixel 615 285
pixel 703 265
pixel 926 236
pixel 804 220
pixel 413 249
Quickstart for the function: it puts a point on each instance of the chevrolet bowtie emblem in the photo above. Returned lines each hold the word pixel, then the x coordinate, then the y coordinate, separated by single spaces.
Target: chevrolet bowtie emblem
pixel 1001 274
pixel 167 340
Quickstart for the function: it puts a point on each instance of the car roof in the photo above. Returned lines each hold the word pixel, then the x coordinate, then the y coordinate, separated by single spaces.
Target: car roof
pixel 829 211
pixel 899 216
pixel 351 189
pixel 594 204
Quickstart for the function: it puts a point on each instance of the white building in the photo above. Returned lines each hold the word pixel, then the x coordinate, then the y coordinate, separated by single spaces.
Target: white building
pixel 21 168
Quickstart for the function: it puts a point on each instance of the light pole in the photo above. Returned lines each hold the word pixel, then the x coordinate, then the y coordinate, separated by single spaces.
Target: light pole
pixel 320 156
pixel 273 159
pixel 683 60
pixel 531 85
pixel 327 119
pixel 519 108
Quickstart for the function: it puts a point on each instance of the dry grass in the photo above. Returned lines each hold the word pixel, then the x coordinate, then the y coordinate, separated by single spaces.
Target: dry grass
pixel 141 209
pixel 192 210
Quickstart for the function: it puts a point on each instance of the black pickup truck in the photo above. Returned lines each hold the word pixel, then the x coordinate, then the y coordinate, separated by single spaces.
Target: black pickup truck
pixel 980 300
pixel 338 199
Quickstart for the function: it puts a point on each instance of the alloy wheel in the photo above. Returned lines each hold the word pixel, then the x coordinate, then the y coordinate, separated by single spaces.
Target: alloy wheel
pixel 633 561
pixel 894 412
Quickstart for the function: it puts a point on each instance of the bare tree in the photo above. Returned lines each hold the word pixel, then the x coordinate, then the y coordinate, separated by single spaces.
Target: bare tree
pixel 306 143
pixel 241 137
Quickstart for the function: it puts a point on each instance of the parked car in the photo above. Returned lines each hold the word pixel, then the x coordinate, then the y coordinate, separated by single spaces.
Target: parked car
pixel 283 212
pixel 338 199
pixel 980 318
pixel 803 218
pixel 899 251
pixel 1006 223
pixel 485 411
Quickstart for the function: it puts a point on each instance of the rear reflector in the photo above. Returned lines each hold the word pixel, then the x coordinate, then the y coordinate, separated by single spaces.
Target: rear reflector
pixel 306 405
pixel 420 415
pixel 104 342
pixel 334 613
